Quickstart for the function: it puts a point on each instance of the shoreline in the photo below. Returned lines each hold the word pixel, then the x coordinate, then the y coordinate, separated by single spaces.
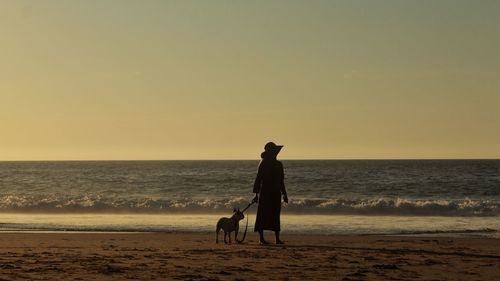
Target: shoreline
pixel 195 256
pixel 291 224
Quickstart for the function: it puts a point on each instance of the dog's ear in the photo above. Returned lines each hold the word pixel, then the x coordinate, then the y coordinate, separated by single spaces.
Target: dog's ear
pixel 234 210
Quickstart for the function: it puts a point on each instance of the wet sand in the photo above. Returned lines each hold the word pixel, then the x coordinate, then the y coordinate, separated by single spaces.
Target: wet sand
pixel 188 256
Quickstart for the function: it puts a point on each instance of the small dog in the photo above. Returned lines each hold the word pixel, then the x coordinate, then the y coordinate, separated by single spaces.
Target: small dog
pixel 229 225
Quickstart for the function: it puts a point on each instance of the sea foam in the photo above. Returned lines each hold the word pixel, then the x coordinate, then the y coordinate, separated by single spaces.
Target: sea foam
pixel 334 206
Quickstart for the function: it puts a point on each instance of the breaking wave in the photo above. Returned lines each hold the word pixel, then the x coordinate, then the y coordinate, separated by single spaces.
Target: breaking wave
pixel 371 206
pixel 402 207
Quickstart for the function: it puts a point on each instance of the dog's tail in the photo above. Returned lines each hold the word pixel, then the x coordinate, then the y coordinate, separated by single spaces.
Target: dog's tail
pixel 244 233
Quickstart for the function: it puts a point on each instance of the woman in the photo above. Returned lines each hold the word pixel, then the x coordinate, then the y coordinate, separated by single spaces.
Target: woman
pixel 268 188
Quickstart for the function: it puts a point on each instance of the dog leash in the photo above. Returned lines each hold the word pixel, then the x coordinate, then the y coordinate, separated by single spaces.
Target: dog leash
pixel 246 226
pixel 248 206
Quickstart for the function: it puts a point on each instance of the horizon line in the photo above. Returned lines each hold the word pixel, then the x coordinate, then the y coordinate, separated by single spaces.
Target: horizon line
pixel 283 159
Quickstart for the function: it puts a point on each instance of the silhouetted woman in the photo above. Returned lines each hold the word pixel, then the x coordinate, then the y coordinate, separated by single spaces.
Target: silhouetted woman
pixel 268 188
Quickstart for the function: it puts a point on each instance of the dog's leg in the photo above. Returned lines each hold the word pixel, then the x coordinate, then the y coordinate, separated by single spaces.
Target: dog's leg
pixel 236 234
pixel 225 235
pixel 229 237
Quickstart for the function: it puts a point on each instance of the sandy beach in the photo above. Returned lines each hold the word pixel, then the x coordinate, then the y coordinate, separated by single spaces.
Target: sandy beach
pixel 195 256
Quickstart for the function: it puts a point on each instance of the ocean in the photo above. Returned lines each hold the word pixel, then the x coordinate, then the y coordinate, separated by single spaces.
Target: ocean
pixel 413 197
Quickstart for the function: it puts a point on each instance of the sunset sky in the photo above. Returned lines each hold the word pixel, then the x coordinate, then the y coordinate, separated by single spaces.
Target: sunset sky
pixel 218 79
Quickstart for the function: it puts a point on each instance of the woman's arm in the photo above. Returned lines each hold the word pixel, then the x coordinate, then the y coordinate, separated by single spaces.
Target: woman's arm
pixel 257 184
pixel 282 184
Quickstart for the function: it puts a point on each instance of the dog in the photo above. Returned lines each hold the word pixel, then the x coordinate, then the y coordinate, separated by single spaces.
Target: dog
pixel 229 225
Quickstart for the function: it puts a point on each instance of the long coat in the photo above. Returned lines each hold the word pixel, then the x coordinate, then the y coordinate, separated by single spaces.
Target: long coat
pixel 270 184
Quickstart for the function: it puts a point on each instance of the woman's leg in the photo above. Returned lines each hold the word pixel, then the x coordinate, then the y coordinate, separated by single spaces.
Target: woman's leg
pixel 278 241
pixel 262 241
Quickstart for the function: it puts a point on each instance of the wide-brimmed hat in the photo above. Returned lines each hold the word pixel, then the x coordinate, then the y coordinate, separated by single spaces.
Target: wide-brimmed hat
pixel 271 147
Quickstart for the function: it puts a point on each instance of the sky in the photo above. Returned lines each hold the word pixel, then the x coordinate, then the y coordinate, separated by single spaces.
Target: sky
pixel 160 80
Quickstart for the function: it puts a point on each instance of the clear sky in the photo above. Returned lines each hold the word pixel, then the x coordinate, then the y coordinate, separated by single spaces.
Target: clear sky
pixel 218 79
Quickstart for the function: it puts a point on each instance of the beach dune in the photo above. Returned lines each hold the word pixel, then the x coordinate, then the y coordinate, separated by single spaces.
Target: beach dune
pixel 195 256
